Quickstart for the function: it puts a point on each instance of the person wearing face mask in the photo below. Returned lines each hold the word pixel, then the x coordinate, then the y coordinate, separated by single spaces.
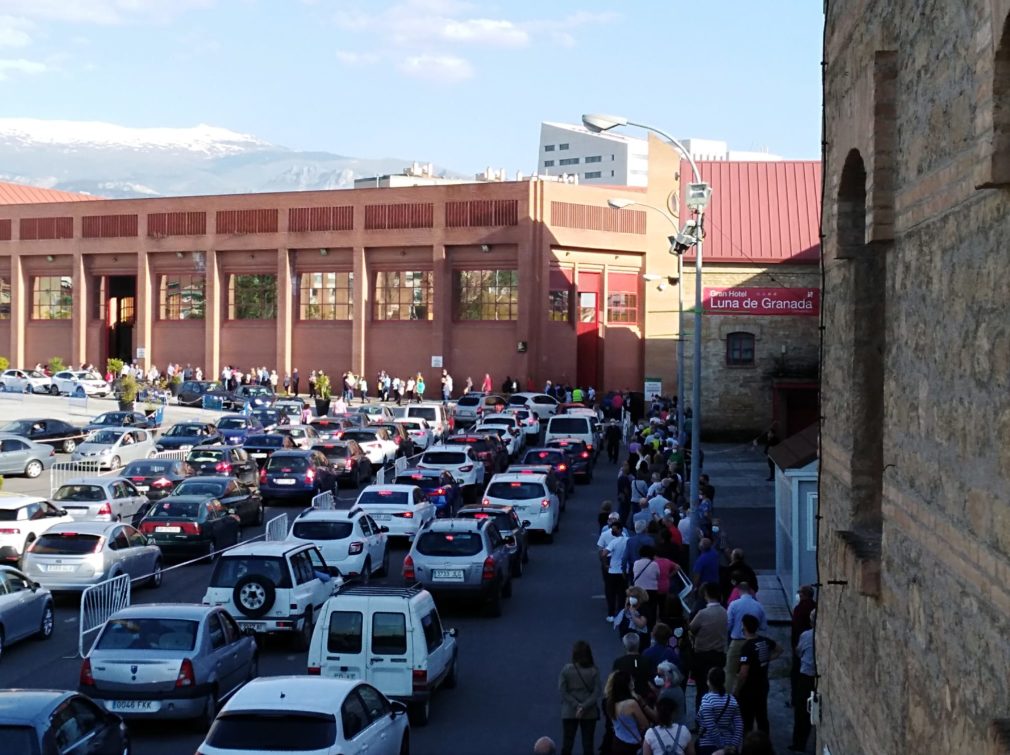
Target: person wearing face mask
pixel 612 545
pixel 669 736
pixel 668 681
pixel 633 617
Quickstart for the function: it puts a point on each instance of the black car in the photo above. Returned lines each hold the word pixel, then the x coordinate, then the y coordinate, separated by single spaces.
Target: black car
pixel 185 435
pixel 580 457
pixel 487 446
pixel 404 443
pixel 191 524
pixel 558 461
pixel 44 721
pixel 156 478
pixel 53 432
pixel 121 419
pixel 510 527
pixel 298 475
pixel 269 417
pixel 229 461
pixel 261 446
pixel 347 460
pixel 191 392
pixel 254 395
pixel 330 428
pixel 244 500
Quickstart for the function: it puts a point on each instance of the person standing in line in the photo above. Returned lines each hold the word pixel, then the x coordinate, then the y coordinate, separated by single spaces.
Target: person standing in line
pixel 486 385
pixel 408 393
pixel 709 630
pixel 581 692
pixel 806 686
pixel 751 689
pixel 669 736
pixel 805 606
pixel 312 384
pixel 706 567
pixel 419 387
pixel 468 386
pixel 363 389
pixel 295 379
pixel 738 609
pixel 626 710
pixel 287 384
pixel 612 553
pixel 718 718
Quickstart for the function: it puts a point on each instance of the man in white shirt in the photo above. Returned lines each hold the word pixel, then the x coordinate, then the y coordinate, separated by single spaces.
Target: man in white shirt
pixel 612 545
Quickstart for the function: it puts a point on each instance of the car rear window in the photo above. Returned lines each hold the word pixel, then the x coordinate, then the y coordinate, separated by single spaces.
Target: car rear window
pixel 468 401
pixel 544 457
pixel 574 425
pixel 443 457
pixel 318 530
pixel 362 436
pixel 273 731
pixel 82 493
pixel 449 544
pixel 429 413
pixel 205 455
pixel 8 515
pixel 233 423
pixel 384 496
pixel 389 633
pixel 167 508
pixel 502 521
pixel 66 544
pixel 148 634
pixel 504 421
pixel 231 569
pixel 344 632
pixel 265 441
pixel 421 481
pixel 333 452
pixel 147 468
pixel 515 491
pixel 199 487
pixel 287 464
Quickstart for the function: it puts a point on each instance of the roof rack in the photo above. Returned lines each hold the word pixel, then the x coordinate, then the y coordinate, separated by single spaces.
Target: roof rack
pixel 356 588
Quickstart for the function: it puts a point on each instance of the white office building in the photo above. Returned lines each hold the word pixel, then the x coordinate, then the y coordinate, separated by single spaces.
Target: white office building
pixel 615 158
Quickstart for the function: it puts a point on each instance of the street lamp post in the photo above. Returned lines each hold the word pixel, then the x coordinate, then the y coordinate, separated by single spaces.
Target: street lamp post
pixel 597 122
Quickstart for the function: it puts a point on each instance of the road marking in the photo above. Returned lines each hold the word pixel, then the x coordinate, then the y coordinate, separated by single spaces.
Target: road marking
pixel 71 620
pixel 598 597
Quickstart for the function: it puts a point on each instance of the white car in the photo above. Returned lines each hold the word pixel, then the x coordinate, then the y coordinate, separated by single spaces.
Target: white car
pixel 311 715
pixel 419 431
pixel 403 509
pixel 25 381
pixel 112 447
pixel 459 461
pixel 510 438
pixel 349 540
pixel 67 382
pixel 439 420
pixel 375 442
pixel 102 499
pixel 531 497
pixel 22 519
pixel 509 420
pixel 375 412
pixel 529 421
pixel 304 436
pixel 541 404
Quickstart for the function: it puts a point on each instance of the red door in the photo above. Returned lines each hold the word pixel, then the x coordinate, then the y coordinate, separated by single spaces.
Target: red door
pixel 587 328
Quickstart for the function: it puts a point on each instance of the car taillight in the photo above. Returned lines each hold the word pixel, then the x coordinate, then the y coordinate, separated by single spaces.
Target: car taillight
pixel 562 467
pixel 161 482
pixel 310 476
pixel 488 571
pixel 438 491
pixel 263 475
pixel 584 454
pixel 186 677
pixel 408 568
pixel 355 548
pixel 486 502
pixel 466 468
pixel 105 509
pixel 589 446
pixel 9 531
pixel 545 504
pixel 222 466
pixel 147 527
pixel 314 671
pixel 419 680
pixel 86 679
pixel 405 514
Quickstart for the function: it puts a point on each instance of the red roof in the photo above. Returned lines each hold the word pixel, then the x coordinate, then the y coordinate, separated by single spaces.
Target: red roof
pixel 22 194
pixel 761 212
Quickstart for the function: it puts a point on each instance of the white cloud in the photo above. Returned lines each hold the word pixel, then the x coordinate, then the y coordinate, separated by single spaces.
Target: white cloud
pixel 442 68
pixel 14 32
pixel 20 65
pixel 101 11
pixel 350 58
pixel 485 31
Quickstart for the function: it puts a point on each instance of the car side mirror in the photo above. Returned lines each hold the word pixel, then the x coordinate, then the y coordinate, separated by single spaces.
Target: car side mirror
pixel 35 586
pixel 59 512
pixel 383 528
pixel 527 522
pixel 452 632
pixel 398 708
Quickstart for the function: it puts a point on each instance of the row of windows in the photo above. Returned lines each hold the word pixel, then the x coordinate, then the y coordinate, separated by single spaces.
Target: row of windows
pixel 550 147
pixel 569 161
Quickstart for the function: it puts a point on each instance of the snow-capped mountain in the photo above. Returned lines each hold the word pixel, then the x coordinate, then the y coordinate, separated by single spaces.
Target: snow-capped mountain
pixel 119 161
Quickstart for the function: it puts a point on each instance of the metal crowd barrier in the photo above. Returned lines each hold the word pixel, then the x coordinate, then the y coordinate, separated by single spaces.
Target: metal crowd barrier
pixel 98 603
pixel 277 528
pixel 325 501
pixel 172 455
pixel 62 471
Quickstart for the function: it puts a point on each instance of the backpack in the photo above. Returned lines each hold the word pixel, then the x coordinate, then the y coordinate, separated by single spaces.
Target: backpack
pixel 669 746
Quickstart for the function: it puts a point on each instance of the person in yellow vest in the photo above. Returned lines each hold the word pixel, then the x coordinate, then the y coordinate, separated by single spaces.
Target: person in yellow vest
pixel 577 395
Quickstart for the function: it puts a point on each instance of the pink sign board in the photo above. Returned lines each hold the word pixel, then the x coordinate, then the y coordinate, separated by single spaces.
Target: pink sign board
pixel 761 301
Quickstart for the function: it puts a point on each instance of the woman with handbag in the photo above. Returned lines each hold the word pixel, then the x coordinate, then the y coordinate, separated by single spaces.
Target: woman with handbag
pixel 581 693
pixel 719 720
pixel 627 714
pixel 667 737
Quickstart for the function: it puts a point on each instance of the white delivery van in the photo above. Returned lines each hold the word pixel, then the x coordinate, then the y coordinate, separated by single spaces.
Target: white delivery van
pixel 572 426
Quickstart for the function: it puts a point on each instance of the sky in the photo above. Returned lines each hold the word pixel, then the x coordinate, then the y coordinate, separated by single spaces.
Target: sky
pixel 462 84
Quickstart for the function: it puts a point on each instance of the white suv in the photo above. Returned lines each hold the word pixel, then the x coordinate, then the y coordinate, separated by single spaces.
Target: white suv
pixel 438 418
pixel 22 381
pixel 68 381
pixel 273 587
pixel 401 509
pixel 22 519
pixel 349 540
pixel 459 461
pixel 531 497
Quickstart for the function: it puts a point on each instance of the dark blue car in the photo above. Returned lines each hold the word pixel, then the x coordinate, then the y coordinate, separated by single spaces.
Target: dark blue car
pixel 42 721
pixel 557 459
pixel 186 435
pixel 235 427
pixel 440 486
pixel 296 475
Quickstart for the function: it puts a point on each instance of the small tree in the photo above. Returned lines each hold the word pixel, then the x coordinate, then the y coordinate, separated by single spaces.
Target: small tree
pixel 323 386
pixel 114 366
pixel 4 363
pixel 56 365
pixel 128 389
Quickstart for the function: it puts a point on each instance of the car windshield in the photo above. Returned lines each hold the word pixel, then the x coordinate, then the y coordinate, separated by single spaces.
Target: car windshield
pixel 319 530
pixel 333 452
pixel 501 520
pixel 449 544
pixel 205 455
pixel 147 468
pixel 506 421
pixel 427 412
pixel 390 497
pixel 148 634
pixel 544 457
pixel 285 464
pixel 193 487
pixel 66 544
pixel 361 436
pixel 265 441
pixel 443 457
pixel 498 430
pixel 167 508
pixel 515 491
pixel 109 418
pixel 15 427
pixel 185 431
pixel 104 437
pixel 468 401
pixel 233 423
pixel 20 739
pixel 574 425
pixel 80 493
pixel 256 390
pixel 267 415
pixel 273 731
pixel 231 569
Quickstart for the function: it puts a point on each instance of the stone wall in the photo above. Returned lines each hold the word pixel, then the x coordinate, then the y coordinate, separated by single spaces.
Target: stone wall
pixel 912 648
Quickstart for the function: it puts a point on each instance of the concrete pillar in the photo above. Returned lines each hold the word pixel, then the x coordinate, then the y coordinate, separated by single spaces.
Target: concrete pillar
pixel 285 311
pixel 360 311
pixel 441 343
pixel 212 318
pixel 19 312
pixel 144 311
pixel 79 314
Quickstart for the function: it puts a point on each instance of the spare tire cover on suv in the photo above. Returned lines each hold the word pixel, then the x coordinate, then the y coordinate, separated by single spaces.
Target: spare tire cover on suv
pixel 254 595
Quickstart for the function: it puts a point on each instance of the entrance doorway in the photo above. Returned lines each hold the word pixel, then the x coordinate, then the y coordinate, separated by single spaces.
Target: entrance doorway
pixel 120 315
pixel 587 329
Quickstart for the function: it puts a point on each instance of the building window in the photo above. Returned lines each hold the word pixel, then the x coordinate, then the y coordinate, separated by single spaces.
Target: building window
pixel 548 148
pixel 558 306
pixel 740 349
pixel 562 146
pixel 548 163
pixel 487 294
pixel 252 297
pixel 5 298
pixel 325 296
pixel 403 295
pixel 611 172
pixel 611 158
pixel 594 159
pixel 568 161
pixel 52 297
pixel 593 174
pixel 622 309
pixel 181 297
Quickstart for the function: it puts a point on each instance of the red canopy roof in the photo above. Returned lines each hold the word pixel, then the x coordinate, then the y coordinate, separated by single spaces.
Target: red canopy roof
pixel 21 194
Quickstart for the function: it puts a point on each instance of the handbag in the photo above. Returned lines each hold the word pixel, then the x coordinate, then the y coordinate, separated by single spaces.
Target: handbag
pixel 718 718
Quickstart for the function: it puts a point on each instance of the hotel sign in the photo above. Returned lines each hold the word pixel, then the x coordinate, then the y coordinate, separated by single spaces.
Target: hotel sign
pixel 761 301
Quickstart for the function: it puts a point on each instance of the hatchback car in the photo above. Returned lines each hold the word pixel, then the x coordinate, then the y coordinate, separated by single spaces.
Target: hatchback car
pixel 100 499
pixel 330 428
pixel 185 435
pixel 25 381
pixel 348 460
pixel 404 509
pixel 235 427
pixel 465 557
pixel 580 457
pixel 72 557
pixel 229 461
pixel 311 715
pixel 269 418
pixel 45 721
pixel 419 431
pixel 110 448
pixel 260 447
pixel 532 498
pixel 296 475
pixel 541 404
pixel 438 417
pixel 303 436
pixel 460 461
pixel 470 407
pixel 156 478
pixel 510 438
pixel 21 456
pixel 26 609
pixel 52 432
pixel 185 525
pixel 349 540
pixel 253 395
pixel 290 407
pixel 399 435
pixel 441 487
pixel 245 501
pixel 191 392
pixel 375 412
pixel 557 459
pixel 120 419
pixel 511 528
pixel 68 381
pixel 488 447
pixel 22 519
pixel 164 660
pixel 378 446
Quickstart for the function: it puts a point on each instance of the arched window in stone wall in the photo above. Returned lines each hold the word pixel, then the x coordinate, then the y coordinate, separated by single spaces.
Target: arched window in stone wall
pixel 992 126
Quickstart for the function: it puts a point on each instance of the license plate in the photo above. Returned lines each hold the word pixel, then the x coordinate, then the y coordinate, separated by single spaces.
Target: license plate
pixel 253 626
pixel 60 568
pixel 134 705
pixel 339 675
pixel 258 456
pixel 143 488
pixel 284 482
pixel 168 529
pixel 447 575
pixel 381 517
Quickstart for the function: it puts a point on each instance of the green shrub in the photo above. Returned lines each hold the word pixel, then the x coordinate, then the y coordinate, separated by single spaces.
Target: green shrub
pixel 56 365
pixel 128 389
pixel 4 363
pixel 323 386
pixel 115 366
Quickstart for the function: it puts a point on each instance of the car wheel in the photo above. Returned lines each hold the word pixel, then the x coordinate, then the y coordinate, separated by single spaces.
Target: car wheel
pixel 304 636
pixel 254 595
pixel 384 571
pixel 405 744
pixel 366 572
pixel 418 713
pixel 206 719
pixel 54 390
pixel 506 591
pixel 33 469
pixel 155 581
pixel 494 604
pixel 452 678
pixel 69 445
pixel 116 463
pixel 48 622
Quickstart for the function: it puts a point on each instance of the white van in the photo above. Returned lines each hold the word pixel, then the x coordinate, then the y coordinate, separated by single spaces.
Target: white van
pixel 572 426
pixel 390 637
pixel 438 419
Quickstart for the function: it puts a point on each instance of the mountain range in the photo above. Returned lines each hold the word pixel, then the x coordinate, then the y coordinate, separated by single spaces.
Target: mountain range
pixel 123 162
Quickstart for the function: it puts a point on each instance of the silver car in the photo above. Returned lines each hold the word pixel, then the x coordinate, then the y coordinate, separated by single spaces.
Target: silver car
pixel 25 608
pixel 113 447
pixel 72 557
pixel 102 499
pixel 168 660
pixel 21 456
